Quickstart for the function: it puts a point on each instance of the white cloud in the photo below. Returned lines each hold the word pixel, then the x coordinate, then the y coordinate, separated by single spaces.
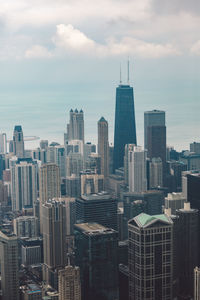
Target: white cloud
pixel 195 49
pixel 73 40
pixel 37 51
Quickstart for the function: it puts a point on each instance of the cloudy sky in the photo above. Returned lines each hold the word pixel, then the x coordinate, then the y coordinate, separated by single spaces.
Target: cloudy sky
pixel 66 53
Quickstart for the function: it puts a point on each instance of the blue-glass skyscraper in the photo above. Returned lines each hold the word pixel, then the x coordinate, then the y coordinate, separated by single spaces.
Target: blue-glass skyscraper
pixel 125 129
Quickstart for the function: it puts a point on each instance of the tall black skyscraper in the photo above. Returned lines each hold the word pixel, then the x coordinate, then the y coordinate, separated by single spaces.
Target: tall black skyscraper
pixel 125 129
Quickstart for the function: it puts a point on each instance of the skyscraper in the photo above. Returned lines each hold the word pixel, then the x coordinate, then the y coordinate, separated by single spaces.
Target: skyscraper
pixel 197 283
pixel 187 256
pixel 18 141
pixel 152 118
pixel 125 128
pixel 137 169
pixel 23 183
pixel 150 257
pixel 103 146
pixel 100 208
pixel 3 143
pixel 96 255
pixel 75 128
pixel 69 285
pixel 54 235
pixel 9 266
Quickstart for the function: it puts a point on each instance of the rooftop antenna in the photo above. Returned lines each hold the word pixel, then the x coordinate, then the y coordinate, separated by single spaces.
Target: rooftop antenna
pixel 120 75
pixel 128 71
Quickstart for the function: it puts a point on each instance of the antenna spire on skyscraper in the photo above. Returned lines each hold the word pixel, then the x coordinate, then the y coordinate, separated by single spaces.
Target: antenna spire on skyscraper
pixel 128 71
pixel 120 75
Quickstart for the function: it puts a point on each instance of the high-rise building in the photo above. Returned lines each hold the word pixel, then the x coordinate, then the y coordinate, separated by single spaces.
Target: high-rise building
pixel 9 266
pixel 103 146
pixel 150 257
pixel 69 284
pixel 74 164
pixel 152 118
pixel 137 169
pixel 100 208
pixel 155 173
pixel 54 238
pixel 196 283
pixel 174 201
pixel 96 255
pixel 73 186
pixel 44 144
pixel 91 183
pixel 3 143
pixel 49 182
pixel 23 183
pixel 75 128
pixel 195 147
pixel 18 142
pixel 187 257
pixel 191 187
pixel 26 226
pixel 125 128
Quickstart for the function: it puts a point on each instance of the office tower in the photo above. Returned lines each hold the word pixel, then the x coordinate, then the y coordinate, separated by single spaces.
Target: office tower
pixel 103 146
pixel 73 186
pixel 4 200
pixel 128 148
pixel 39 154
pixel 75 128
pixel 123 282
pixel 31 251
pixel 155 173
pixel 44 144
pixel 99 268
pixel 2 165
pixel 137 169
pixel 94 163
pixel 150 257
pixel 18 142
pixel 191 187
pixel 23 183
pixel 188 249
pixel 3 143
pixel 88 149
pixel 26 226
pixel 70 205
pixel 74 164
pixel 174 201
pixel 125 129
pixel 99 208
pixel 91 183
pixel 49 182
pixel 176 169
pixel 195 147
pixel 196 283
pixel 69 285
pixel 9 266
pixel 54 235
pixel 152 118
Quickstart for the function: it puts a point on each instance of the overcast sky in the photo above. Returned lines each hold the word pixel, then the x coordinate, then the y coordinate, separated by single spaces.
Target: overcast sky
pixel 48 44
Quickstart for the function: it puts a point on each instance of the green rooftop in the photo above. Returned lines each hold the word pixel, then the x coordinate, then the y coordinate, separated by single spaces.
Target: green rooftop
pixel 144 219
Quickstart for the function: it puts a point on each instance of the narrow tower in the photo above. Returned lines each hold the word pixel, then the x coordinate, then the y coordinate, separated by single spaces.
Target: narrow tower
pixel 103 146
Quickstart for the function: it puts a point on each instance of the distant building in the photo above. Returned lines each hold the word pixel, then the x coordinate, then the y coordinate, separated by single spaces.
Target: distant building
pixel 150 257
pixel 73 186
pixel 191 187
pixel 31 251
pixel 156 173
pixel 125 128
pixel 174 201
pixel 31 292
pixel 69 285
pixel 9 266
pixel 26 226
pixel 54 239
pixel 75 128
pixel 195 147
pixel 23 183
pixel 103 146
pixel 91 183
pixel 3 143
pixel 137 169
pixel 99 268
pixel 18 142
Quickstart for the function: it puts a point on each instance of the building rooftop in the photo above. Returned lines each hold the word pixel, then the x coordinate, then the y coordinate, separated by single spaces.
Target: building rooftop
pixel 144 220
pixel 94 228
pixel 100 196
